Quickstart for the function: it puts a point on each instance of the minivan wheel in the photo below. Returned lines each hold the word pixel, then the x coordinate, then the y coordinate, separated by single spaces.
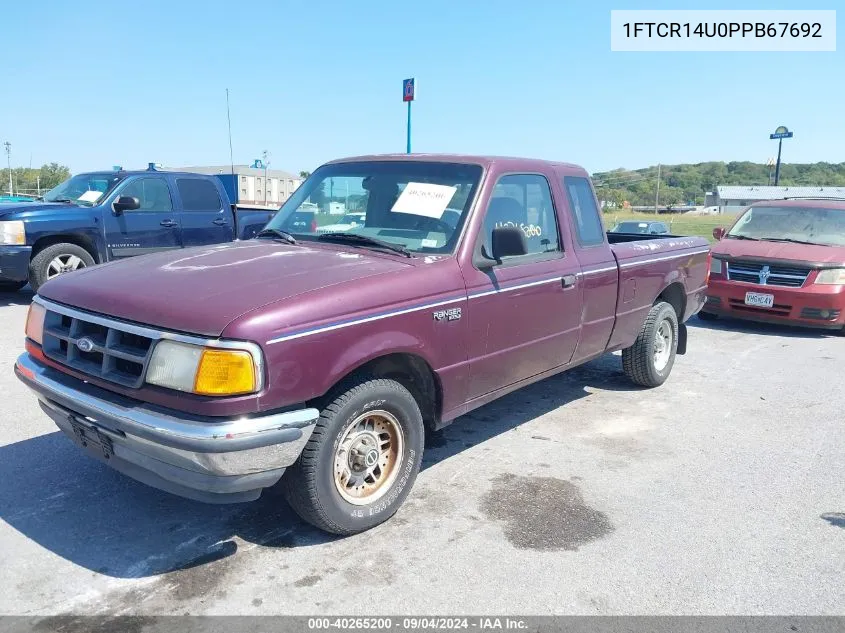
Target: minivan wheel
pixel 361 460
pixel 56 260
pixel 649 361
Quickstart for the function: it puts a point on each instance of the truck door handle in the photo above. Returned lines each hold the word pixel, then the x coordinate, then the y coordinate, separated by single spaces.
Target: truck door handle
pixel 220 222
pixel 168 223
pixel 568 281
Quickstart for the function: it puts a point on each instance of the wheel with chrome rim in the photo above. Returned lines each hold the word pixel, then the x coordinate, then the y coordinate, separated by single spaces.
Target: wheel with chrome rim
pixel 361 460
pixel 649 361
pixel 56 260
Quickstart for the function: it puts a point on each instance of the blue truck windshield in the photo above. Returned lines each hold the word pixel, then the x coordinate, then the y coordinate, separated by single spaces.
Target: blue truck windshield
pixel 83 189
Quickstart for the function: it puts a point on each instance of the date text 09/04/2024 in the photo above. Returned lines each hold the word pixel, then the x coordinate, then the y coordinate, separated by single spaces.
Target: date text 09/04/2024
pixel 417 623
pixel 723 29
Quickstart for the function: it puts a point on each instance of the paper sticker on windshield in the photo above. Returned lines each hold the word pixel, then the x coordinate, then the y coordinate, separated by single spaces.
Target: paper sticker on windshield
pixel 421 198
pixel 91 196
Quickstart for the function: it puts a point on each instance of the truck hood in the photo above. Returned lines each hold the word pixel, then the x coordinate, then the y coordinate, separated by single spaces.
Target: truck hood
pixel 201 290
pixel 9 208
pixel 803 253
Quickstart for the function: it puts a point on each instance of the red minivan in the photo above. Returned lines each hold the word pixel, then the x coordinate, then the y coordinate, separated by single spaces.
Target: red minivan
pixel 782 261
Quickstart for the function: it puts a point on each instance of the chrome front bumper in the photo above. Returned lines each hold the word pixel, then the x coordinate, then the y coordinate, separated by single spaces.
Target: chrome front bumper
pixel 207 459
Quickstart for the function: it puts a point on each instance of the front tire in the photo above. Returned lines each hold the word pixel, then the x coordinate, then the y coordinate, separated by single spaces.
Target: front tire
pixel 649 361
pixel 56 260
pixel 361 460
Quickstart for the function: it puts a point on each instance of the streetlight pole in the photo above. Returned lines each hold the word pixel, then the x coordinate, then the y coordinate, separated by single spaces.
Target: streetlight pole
pixel 9 163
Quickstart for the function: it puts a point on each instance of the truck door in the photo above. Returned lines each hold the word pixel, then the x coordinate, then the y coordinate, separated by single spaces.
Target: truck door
pixel 599 278
pixel 154 226
pixel 205 219
pixel 524 315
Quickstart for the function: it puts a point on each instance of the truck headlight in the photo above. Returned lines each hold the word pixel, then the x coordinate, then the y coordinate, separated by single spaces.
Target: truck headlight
pixel 35 322
pixel 203 370
pixel 12 233
pixel 831 276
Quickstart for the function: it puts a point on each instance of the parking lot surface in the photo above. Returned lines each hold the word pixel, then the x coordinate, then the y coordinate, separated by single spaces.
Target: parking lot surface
pixel 721 492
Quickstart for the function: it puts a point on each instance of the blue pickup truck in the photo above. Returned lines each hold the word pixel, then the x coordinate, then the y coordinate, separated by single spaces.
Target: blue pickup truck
pixel 99 217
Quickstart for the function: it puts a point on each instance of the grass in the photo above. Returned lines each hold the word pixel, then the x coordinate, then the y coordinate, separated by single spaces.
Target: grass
pixel 679 224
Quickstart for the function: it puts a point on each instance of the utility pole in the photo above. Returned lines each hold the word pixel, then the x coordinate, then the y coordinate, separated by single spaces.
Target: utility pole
pixel 657 191
pixel 9 163
pixel 264 155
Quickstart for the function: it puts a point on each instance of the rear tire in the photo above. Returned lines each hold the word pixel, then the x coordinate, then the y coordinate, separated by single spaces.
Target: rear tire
pixel 56 260
pixel 707 316
pixel 361 460
pixel 649 361
pixel 11 286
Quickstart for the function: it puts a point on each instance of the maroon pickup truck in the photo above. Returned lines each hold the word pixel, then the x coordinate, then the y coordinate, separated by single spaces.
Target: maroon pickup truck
pixel 319 360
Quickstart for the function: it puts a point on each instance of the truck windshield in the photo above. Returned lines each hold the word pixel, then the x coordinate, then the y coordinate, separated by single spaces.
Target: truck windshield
pixel 83 189
pixel 418 205
pixel 792 224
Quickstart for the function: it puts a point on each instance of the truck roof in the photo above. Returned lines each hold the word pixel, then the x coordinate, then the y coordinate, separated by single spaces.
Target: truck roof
pixel 141 172
pixel 513 162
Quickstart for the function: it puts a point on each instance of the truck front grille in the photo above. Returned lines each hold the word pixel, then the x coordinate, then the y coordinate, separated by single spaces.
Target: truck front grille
pixel 96 347
pixel 767 274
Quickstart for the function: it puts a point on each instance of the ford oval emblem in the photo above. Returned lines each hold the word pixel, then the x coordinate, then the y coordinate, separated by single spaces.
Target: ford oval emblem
pixel 85 344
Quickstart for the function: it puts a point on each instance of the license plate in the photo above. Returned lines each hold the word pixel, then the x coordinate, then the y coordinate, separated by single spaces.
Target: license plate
pixel 759 300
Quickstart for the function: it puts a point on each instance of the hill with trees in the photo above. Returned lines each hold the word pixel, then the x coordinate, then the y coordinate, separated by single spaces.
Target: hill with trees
pixel 684 184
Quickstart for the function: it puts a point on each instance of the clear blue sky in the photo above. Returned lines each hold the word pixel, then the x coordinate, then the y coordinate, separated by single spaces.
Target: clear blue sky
pixel 95 84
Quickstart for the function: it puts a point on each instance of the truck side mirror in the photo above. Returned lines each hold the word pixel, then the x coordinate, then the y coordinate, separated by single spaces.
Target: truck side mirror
pixel 508 241
pixel 719 232
pixel 125 203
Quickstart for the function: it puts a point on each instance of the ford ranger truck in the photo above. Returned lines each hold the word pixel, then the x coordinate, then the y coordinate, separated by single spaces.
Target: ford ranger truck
pixel 100 217
pixel 319 361
pixel 782 261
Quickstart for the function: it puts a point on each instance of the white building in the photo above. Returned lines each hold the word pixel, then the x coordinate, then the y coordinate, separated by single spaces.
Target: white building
pixel 257 186
pixel 733 199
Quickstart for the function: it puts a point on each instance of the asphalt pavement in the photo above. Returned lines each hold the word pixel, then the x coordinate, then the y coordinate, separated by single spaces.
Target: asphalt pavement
pixel 721 492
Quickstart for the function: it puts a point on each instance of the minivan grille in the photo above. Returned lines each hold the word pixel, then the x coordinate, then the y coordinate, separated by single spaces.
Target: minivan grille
pixel 767 274
pixel 103 351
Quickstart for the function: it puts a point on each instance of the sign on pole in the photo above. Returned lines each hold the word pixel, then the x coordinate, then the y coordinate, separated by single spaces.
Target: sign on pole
pixel 781 132
pixel 408 89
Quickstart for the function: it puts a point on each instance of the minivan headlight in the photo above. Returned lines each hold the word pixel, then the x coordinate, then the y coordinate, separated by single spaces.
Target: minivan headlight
pixel 12 233
pixel 209 371
pixel 831 276
pixel 716 266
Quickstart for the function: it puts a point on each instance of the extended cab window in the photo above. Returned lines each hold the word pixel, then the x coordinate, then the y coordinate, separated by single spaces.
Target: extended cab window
pixel 198 194
pixel 152 193
pixel 523 201
pixel 588 226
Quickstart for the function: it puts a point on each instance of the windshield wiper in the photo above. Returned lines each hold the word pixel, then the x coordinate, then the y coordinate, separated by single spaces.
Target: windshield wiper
pixel 278 234
pixel 742 237
pixel 790 240
pixel 363 240
pixel 61 200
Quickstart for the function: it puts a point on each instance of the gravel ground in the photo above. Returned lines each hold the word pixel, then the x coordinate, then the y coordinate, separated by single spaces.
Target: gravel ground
pixel 719 493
